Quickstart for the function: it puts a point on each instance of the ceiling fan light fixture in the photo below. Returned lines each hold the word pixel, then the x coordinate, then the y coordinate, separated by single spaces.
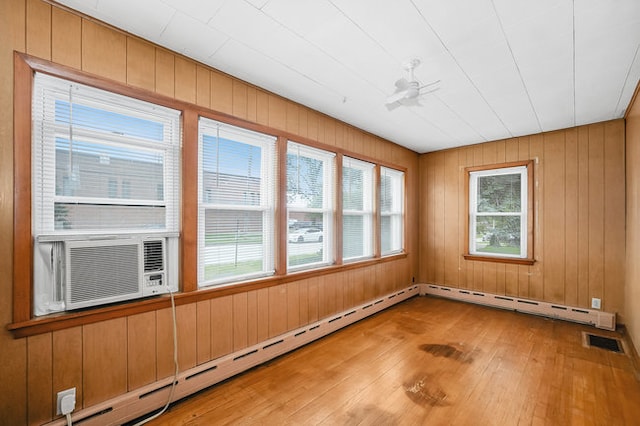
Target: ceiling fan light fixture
pixel 413 90
pixel 409 90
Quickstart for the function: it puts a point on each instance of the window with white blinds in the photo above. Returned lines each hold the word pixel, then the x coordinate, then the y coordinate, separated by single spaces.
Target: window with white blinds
pixel 102 162
pixel 236 188
pixel 391 211
pixel 310 195
pixel 357 209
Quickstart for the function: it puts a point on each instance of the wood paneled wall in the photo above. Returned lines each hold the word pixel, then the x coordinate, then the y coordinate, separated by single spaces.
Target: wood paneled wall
pixel 632 288
pixel 106 359
pixel 579 215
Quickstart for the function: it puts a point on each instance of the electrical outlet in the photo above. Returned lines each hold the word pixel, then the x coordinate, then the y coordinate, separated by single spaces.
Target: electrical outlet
pixel 595 303
pixel 66 401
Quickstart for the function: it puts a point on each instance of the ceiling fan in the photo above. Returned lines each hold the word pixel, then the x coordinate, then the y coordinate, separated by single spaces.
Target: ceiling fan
pixel 408 92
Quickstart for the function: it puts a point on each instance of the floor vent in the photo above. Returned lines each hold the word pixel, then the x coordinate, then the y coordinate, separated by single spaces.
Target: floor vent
pixel 602 342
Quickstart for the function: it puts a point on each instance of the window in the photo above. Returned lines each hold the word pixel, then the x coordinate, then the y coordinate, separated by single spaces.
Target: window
pixel 499 213
pixel 87 140
pixel 97 159
pixel 357 205
pixel 236 203
pixel 391 211
pixel 310 194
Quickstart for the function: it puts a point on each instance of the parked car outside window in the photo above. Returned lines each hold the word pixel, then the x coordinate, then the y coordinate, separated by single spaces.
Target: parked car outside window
pixel 304 235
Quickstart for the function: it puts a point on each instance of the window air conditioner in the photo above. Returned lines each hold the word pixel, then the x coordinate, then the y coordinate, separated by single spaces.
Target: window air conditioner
pixel 81 271
pixel 105 271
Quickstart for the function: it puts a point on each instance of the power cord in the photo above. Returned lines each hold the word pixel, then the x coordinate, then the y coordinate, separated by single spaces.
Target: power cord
pixel 175 362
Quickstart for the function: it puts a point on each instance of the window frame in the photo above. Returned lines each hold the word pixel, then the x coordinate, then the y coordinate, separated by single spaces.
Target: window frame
pixel 48 130
pixel 266 204
pixel 327 210
pixel 528 233
pixel 368 210
pixel 397 211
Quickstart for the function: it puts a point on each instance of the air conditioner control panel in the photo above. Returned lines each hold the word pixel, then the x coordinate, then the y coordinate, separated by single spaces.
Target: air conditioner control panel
pixel 154 283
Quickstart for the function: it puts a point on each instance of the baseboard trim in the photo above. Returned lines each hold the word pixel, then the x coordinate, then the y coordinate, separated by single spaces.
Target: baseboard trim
pixel 599 319
pixel 142 401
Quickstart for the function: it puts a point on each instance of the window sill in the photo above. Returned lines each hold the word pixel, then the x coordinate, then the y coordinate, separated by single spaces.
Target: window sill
pixel 64 320
pixel 511 260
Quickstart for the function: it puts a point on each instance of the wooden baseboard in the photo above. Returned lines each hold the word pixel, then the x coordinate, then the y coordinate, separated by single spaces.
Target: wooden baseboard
pixel 135 404
pixel 599 319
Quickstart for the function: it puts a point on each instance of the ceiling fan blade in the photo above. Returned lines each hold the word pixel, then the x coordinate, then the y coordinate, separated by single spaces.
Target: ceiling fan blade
pixel 393 106
pixel 399 95
pixel 411 102
pixel 426 92
pixel 433 83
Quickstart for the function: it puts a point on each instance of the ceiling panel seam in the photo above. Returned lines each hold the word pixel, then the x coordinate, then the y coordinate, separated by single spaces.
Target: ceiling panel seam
pixel 455 60
pixel 515 63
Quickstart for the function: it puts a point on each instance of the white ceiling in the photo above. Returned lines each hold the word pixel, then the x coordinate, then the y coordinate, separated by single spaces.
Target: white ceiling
pixel 507 67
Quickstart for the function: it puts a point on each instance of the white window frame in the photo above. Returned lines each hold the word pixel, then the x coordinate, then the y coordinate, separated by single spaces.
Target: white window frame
pixel 49 89
pixel 523 214
pixel 48 242
pixel 327 208
pixel 266 203
pixel 367 211
pixel 396 212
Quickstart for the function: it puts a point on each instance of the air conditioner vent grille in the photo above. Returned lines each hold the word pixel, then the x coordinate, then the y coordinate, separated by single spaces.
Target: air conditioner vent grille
pixel 103 271
pixel 153 256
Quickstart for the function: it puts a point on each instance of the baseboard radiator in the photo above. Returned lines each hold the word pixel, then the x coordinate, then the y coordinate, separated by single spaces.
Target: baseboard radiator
pixel 599 319
pixel 140 402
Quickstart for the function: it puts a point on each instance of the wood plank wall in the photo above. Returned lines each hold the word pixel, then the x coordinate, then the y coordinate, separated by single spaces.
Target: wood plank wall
pixel 632 288
pixel 106 359
pixel 579 218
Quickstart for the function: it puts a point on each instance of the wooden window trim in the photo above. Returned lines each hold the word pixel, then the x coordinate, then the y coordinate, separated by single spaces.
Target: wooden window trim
pixel 337 211
pixel 530 260
pixel 24 324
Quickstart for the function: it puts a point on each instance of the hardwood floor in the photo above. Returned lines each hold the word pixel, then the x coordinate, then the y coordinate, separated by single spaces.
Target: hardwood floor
pixel 431 361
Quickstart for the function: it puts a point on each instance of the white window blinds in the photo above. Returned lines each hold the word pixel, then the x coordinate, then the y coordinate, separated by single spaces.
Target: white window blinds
pixel 357 205
pixel 102 162
pixel 236 203
pixel 310 195
pixel 391 211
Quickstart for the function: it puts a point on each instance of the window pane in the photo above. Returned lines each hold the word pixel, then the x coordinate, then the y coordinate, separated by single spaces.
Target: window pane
pixel 352 189
pixel 310 181
pixel 102 161
pixel 231 172
pixel 385 234
pixel 499 193
pixel 93 170
pixel 95 119
pixel 357 204
pixel 236 199
pixel 83 217
pixel 233 243
pixel 391 209
pixel 498 235
pixel 353 244
pixel 306 238
pixel 305 181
